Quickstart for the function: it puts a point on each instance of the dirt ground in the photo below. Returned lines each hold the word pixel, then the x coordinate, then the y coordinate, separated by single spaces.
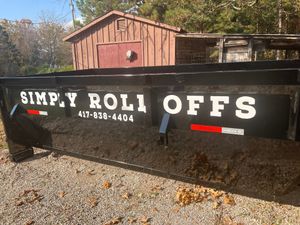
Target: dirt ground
pixel 54 189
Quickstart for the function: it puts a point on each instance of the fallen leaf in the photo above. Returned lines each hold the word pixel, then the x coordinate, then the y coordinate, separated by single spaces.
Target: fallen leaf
pixel 157 188
pixel 131 220
pixel 140 195
pixel 106 185
pixel 29 222
pixel 229 200
pixel 155 209
pixel 216 205
pixel 19 203
pixel 216 194
pixel 93 201
pixel 126 195
pixel 29 196
pixel 227 220
pixel 61 194
pixel 176 209
pixel 4 159
pixel 114 221
pixel 145 219
pixel 91 172
pixel 185 196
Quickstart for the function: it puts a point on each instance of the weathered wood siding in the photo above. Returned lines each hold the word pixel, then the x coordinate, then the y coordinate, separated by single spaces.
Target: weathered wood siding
pixel 158 44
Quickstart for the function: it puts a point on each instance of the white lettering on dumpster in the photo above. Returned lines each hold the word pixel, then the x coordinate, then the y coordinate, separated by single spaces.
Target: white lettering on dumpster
pixel 94 101
pixel 47 98
pixel 245 107
pixel 217 106
pixel 109 101
pixel 193 105
pixel 175 99
pixel 242 107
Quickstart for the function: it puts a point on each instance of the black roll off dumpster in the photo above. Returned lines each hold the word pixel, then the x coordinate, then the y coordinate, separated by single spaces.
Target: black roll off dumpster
pixel 150 119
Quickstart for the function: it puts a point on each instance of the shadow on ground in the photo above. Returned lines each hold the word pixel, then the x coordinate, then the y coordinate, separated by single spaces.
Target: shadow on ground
pixel 261 168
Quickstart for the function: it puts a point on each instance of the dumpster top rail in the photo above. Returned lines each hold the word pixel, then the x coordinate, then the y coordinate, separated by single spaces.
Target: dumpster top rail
pixel 246 73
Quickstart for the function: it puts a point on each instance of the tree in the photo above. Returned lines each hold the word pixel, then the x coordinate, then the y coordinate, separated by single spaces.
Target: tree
pixel 226 16
pixel 90 9
pixel 200 15
pixel 24 35
pixel 40 46
pixel 10 60
pixel 54 52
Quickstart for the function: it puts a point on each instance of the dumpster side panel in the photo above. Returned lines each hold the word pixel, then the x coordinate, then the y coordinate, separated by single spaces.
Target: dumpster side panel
pixel 116 119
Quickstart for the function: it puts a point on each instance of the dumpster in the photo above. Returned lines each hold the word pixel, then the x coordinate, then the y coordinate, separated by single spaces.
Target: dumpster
pixel 150 119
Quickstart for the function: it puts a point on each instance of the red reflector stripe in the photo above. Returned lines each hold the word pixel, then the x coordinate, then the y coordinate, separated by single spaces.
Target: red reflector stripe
pixel 199 127
pixel 33 112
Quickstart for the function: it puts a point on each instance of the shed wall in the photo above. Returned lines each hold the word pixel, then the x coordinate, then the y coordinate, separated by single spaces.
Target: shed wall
pixel 158 44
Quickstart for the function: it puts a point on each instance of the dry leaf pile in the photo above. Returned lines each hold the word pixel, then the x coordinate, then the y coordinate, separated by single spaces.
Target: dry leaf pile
pixel 204 169
pixel 186 196
pixel 229 200
pixel 28 196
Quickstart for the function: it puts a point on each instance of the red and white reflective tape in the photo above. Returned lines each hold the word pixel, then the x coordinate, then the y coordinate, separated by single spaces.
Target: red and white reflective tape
pixel 37 112
pixel 216 129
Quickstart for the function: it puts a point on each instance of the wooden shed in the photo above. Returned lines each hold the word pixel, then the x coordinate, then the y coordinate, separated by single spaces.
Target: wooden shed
pixel 123 40
pixel 213 48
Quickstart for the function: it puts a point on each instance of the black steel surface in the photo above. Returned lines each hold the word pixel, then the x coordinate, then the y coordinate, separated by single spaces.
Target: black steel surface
pixel 117 115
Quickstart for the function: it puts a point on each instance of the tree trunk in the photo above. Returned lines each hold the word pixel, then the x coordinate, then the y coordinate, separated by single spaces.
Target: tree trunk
pixel 279 24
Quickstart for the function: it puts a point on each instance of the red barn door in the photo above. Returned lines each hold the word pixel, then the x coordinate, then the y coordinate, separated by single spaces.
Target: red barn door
pixel 115 55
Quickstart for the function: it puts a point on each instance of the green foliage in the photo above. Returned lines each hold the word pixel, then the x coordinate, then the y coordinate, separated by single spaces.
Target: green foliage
pixel 155 10
pixel 10 59
pixel 90 9
pixel 221 16
pixel 34 49
pixel 225 16
pixel 47 69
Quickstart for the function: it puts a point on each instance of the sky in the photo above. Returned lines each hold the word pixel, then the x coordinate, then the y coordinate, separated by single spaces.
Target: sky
pixel 32 9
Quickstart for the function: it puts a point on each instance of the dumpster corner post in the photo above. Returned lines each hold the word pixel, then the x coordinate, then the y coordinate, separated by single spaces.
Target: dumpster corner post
pixel 19 152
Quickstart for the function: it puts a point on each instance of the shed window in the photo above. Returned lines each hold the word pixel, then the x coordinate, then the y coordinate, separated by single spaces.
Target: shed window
pixel 121 24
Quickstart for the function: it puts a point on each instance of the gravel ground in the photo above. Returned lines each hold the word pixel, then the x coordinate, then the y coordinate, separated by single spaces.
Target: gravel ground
pixel 53 189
